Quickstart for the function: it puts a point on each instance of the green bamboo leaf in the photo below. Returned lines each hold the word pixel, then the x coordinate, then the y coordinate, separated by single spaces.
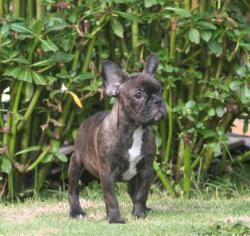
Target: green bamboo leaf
pixel 194 35
pixel 48 45
pixel 128 16
pixel 29 149
pixel 220 111
pixel 149 3
pixel 21 28
pixel 62 57
pixel 179 11
pixel 83 76
pixel 37 27
pixel 45 62
pixel 12 72
pixel 61 157
pixel 206 35
pixel 215 47
pixel 245 126
pixel 6 165
pixel 38 79
pixel 241 71
pixel 234 85
pixel 117 28
pixel 25 75
pixel 206 25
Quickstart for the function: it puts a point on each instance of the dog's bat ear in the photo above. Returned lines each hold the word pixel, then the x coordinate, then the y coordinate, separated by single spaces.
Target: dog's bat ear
pixel 151 64
pixel 113 77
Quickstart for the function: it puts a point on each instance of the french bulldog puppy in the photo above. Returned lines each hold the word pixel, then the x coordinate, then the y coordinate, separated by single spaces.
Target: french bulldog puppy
pixel 119 145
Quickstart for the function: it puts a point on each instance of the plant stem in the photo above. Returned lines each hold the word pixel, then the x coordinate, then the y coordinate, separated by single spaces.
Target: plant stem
pixel 12 140
pixel 170 128
pixel 30 9
pixel 1 8
pixel 16 8
pixel 187 4
pixel 187 167
pixel 163 178
pixel 39 159
pixel 39 8
pixel 172 38
pixel 30 108
pixel 135 34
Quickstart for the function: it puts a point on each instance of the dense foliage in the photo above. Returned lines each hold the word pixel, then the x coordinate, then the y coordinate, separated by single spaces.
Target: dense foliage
pixel 50 59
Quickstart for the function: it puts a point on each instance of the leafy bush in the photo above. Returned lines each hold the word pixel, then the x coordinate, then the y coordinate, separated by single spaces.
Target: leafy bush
pixel 51 57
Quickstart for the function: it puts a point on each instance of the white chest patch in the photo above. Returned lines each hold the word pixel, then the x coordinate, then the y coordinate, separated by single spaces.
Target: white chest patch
pixel 134 154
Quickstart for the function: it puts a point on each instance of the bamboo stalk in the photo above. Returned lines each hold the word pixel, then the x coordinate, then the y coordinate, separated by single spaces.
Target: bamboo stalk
pixel 39 9
pixel 1 8
pixel 135 35
pixel 16 8
pixel 170 129
pixel 187 167
pixel 166 184
pixel 30 9
pixel 172 38
pixel 12 139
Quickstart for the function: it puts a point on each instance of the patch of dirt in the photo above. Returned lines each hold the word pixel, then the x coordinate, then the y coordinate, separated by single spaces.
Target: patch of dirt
pixel 242 219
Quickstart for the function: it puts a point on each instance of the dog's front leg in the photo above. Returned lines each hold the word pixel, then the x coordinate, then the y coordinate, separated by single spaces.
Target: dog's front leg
pixel 110 199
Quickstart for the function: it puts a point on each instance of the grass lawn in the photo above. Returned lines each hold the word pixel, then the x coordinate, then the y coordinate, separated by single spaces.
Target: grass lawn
pixel 169 217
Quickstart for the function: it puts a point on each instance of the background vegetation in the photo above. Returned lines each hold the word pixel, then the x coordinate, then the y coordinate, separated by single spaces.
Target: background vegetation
pixel 50 59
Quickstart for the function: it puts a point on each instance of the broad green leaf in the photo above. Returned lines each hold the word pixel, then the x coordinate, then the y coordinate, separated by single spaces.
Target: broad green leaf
pixel 55 146
pixel 12 72
pixel 83 76
pixel 220 111
pixel 234 85
pixel 48 45
pixel 206 35
pixel 245 94
pixel 206 25
pixel 38 79
pixel 61 57
pixel 28 92
pixel 76 99
pixel 37 27
pixel 21 60
pixel 149 3
pixel 48 158
pixel 194 35
pixel 25 75
pixel 5 29
pixel 62 157
pixel 21 28
pixel 45 62
pixel 241 71
pixel 215 47
pixel 179 11
pixel 117 28
pixel 128 16
pixel 29 149
pixel 211 112
pixel 6 165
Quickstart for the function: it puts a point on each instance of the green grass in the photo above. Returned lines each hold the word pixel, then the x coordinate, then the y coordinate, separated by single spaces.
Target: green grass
pixel 169 217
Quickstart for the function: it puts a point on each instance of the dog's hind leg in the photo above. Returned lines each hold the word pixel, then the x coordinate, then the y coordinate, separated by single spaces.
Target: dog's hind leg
pixel 75 170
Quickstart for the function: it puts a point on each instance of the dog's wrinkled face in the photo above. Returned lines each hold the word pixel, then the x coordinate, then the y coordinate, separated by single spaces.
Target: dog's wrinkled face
pixel 139 94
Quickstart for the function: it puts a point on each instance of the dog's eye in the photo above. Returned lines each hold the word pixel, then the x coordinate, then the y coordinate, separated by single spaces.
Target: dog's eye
pixel 139 95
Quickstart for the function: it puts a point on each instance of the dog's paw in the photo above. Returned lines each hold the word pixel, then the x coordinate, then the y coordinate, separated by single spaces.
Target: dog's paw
pixel 139 214
pixel 77 214
pixel 148 209
pixel 119 220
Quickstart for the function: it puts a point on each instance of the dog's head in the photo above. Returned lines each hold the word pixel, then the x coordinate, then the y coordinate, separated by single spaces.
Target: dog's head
pixel 140 95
